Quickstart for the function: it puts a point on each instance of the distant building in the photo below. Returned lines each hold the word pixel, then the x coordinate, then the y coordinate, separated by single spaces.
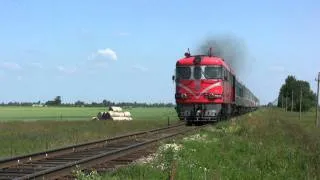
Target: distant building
pixel 37 105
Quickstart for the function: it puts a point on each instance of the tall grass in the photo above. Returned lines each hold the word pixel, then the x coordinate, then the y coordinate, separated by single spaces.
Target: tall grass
pixel 266 144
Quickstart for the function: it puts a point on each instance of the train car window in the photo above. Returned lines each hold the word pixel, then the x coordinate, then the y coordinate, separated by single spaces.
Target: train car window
pixel 239 90
pixel 231 78
pixel 227 77
pixel 197 72
pixel 226 73
pixel 212 72
pixel 183 73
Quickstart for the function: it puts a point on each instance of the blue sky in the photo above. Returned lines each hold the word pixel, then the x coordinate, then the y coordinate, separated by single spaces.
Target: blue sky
pixel 126 50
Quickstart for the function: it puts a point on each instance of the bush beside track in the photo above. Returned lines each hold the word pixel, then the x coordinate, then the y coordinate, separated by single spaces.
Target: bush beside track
pixel 265 144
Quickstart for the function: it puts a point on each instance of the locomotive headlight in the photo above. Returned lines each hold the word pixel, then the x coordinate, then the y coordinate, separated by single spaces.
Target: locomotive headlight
pixel 184 96
pixel 181 95
pixel 213 96
pixel 210 96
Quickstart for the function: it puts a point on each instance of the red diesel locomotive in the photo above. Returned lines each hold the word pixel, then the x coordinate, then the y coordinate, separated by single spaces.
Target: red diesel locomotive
pixel 207 89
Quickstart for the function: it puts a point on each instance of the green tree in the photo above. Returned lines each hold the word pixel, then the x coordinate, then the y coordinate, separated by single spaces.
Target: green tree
pixel 79 103
pixel 57 100
pixel 292 85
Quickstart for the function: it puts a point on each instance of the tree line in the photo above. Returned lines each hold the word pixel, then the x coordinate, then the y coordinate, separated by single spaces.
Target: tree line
pixel 291 90
pixel 105 103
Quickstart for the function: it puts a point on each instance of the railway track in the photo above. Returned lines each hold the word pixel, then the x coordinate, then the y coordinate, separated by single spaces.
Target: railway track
pixel 113 151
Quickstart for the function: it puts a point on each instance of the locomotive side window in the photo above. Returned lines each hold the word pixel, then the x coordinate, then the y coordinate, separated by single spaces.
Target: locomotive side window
pixel 212 72
pixel 183 72
pixel 232 79
pixel 225 74
pixel 197 72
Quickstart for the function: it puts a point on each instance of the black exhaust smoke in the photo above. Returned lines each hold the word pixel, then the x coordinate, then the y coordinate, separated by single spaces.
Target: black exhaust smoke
pixel 231 48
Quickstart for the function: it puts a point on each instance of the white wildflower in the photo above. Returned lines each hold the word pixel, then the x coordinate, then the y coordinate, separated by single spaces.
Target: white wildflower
pixel 173 146
pixel 196 137
pixel 147 159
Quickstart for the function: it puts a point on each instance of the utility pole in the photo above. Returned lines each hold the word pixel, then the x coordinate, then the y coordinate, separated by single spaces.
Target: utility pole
pixel 317 104
pixel 291 100
pixel 300 102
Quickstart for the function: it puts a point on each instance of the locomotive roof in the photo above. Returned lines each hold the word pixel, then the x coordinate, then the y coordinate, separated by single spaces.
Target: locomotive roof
pixel 205 60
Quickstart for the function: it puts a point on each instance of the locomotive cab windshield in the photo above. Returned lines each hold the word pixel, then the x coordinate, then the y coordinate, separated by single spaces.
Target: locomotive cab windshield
pixel 198 72
pixel 183 72
pixel 213 72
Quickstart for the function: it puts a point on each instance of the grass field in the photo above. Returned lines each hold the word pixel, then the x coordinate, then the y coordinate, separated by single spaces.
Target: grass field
pixel 76 113
pixel 265 144
pixel 26 129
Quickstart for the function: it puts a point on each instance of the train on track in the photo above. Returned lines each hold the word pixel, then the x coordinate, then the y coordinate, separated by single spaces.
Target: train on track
pixel 207 90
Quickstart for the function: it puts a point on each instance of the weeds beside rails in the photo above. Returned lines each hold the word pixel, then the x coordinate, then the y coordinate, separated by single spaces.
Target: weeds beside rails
pixel 260 145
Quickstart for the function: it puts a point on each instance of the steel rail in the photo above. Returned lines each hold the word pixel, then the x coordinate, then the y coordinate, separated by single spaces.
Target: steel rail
pixel 63 165
pixel 89 161
pixel 73 148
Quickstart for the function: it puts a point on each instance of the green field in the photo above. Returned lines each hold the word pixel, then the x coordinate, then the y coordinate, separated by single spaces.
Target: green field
pixel 265 144
pixel 27 129
pixel 76 113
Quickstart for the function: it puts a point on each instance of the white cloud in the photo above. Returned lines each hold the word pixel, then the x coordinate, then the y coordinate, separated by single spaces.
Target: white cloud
pixel 109 53
pixel 123 34
pixel 67 70
pixel 10 66
pixel 106 53
pixel 19 78
pixel 277 68
pixel 140 68
pixel 37 65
